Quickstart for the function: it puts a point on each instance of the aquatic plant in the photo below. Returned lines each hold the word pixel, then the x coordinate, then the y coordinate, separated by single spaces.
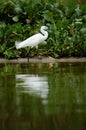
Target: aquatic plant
pixel 21 19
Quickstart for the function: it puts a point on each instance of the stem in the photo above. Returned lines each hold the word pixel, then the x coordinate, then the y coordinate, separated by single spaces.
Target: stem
pixel 10 48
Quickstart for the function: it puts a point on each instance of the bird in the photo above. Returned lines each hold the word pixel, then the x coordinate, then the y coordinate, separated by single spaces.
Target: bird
pixel 34 40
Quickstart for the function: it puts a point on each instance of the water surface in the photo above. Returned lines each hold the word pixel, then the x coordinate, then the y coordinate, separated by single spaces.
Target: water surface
pixel 43 96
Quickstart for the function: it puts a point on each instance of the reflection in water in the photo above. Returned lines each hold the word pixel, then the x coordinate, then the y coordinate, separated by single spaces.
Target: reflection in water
pixel 43 96
pixel 32 84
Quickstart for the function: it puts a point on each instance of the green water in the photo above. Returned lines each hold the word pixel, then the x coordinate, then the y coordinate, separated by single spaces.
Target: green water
pixel 43 96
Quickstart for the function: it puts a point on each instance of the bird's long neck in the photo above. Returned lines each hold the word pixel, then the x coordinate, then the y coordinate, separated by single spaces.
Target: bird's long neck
pixel 45 33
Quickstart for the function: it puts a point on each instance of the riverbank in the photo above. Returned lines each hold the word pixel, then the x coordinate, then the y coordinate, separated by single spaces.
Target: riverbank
pixel 44 60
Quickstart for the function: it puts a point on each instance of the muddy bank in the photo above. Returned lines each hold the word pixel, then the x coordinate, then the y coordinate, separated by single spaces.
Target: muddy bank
pixel 43 60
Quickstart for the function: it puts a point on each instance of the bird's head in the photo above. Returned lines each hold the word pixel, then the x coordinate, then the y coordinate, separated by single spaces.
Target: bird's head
pixel 44 27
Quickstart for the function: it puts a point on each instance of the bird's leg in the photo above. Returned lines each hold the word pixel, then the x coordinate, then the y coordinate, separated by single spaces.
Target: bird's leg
pixel 27 53
pixel 28 56
pixel 37 50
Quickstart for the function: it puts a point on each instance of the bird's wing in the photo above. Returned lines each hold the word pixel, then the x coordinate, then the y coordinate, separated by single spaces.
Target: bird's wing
pixel 34 39
pixel 31 41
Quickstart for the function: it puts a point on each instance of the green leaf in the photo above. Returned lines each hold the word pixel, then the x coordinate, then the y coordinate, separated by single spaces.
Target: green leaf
pixel 83 30
pixel 15 19
pixel 48 16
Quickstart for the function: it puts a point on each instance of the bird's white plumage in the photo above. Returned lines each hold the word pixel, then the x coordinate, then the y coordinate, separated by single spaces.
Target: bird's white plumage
pixel 34 40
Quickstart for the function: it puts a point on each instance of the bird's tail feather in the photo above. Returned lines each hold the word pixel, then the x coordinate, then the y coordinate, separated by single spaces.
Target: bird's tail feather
pixel 17 44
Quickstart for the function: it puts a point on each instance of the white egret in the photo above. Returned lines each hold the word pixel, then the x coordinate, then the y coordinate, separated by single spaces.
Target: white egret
pixel 34 40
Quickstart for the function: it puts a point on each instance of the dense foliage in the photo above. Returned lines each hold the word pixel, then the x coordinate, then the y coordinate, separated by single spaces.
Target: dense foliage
pixel 23 18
